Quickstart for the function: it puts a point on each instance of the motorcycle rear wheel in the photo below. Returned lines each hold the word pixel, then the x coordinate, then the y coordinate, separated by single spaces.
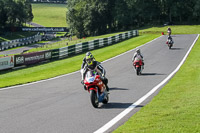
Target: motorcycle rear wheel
pixel 94 99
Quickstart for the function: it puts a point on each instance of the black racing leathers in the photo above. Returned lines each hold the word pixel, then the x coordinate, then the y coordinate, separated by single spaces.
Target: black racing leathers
pixel 95 66
pixel 99 69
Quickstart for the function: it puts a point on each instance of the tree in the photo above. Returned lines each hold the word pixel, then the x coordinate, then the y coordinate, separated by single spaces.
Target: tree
pixel 196 12
pixel 88 17
pixel 15 12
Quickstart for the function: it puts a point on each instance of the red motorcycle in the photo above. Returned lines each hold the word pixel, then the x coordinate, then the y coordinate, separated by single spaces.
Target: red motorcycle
pixel 138 66
pixel 96 88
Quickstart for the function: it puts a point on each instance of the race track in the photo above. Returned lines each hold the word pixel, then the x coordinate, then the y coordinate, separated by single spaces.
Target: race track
pixel 61 105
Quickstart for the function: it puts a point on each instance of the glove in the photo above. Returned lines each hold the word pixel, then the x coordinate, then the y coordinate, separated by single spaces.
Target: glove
pixel 82 82
pixel 102 77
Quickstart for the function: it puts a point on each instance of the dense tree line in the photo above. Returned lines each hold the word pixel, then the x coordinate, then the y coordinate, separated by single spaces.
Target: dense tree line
pixel 95 17
pixel 15 13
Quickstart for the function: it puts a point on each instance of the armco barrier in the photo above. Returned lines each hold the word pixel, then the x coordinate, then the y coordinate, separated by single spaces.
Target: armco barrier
pixel 95 44
pixel 19 42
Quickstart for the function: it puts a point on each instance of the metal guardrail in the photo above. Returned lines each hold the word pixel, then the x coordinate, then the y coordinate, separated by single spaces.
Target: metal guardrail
pixel 19 42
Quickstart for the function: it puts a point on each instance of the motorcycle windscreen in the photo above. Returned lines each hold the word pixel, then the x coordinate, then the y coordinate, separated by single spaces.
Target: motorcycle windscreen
pixel 90 76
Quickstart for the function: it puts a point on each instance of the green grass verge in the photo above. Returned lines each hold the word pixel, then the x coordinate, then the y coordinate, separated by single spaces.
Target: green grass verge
pixel 60 67
pixel 176 109
pixel 176 29
pixel 49 15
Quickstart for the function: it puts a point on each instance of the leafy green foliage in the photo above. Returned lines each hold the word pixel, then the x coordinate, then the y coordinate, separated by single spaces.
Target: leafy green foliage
pixel 95 17
pixel 15 12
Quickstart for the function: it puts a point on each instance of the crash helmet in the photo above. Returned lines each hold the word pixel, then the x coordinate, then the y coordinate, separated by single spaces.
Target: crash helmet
pixel 138 51
pixel 89 58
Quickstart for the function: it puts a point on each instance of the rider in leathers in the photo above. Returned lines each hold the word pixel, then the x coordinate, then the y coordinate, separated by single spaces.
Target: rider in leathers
pixel 91 64
pixel 138 55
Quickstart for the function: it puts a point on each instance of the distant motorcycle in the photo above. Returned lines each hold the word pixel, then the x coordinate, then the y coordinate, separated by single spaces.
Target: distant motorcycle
pixel 138 66
pixel 96 88
pixel 169 42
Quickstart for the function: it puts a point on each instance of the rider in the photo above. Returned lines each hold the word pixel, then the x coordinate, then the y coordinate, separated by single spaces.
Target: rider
pixel 138 55
pixel 169 31
pixel 91 64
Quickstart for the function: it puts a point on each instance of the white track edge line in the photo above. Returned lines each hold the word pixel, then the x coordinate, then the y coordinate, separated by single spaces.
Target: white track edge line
pixel 130 108
pixel 7 88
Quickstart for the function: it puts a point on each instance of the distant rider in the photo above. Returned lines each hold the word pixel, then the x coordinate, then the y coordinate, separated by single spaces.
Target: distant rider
pixel 138 56
pixel 91 64
pixel 169 31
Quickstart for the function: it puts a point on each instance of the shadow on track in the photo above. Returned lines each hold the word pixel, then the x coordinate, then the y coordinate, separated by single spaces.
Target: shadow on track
pixel 151 74
pixel 119 106
pixel 115 88
pixel 176 48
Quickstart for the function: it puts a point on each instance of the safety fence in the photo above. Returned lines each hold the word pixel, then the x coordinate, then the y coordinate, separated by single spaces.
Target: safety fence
pixel 19 42
pixel 68 51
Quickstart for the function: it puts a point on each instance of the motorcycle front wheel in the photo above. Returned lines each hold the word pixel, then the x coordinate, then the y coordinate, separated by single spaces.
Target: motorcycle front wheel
pixel 170 46
pixel 138 70
pixel 94 99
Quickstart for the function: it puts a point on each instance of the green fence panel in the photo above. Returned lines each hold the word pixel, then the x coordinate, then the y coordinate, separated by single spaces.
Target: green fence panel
pixel 55 53
pixel 71 50
pixel 126 35
pixel 113 39
pixel 85 47
pixel 105 41
pixel 96 43
pixel 120 37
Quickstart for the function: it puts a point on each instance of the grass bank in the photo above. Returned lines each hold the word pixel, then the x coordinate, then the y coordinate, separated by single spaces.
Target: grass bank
pixel 176 109
pixel 176 29
pixel 49 15
pixel 60 67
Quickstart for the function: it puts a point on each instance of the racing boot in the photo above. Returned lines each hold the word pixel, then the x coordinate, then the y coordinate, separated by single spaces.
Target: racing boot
pixel 82 82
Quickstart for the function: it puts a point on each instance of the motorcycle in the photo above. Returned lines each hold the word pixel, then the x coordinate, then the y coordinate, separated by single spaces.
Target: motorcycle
pixel 96 88
pixel 169 43
pixel 138 66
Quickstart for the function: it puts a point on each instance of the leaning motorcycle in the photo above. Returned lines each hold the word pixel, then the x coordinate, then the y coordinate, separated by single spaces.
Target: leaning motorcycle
pixel 96 88
pixel 138 66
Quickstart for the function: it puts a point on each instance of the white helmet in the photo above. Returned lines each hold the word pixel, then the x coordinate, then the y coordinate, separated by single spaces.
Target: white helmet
pixel 138 51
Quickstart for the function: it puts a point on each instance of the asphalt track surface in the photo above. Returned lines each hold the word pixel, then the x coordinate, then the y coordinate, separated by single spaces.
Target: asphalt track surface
pixel 60 105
